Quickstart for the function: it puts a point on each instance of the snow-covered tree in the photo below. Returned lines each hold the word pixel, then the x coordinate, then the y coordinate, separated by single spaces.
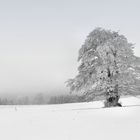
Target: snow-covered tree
pixel 108 68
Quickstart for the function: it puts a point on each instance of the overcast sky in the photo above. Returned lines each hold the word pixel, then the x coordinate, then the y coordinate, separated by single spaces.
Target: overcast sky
pixel 40 39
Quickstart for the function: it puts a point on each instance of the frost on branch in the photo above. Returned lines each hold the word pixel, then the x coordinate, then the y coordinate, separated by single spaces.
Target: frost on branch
pixel 108 67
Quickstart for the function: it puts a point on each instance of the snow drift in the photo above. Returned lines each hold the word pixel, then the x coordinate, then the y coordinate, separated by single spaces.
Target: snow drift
pixel 80 121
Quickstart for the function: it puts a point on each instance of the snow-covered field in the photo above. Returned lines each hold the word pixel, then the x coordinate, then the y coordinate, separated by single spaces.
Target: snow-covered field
pixel 80 121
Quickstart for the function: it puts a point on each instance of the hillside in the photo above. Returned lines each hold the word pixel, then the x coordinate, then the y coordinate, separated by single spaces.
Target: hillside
pixel 79 121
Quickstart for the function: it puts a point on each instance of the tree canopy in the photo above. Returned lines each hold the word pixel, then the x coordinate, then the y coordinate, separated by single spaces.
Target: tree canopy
pixel 107 63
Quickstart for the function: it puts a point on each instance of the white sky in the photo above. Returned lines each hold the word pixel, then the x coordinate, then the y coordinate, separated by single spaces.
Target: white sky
pixel 40 39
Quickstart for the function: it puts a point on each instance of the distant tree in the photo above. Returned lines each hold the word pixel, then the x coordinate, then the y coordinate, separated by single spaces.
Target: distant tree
pixel 108 68
pixel 39 99
pixel 61 99
pixel 25 100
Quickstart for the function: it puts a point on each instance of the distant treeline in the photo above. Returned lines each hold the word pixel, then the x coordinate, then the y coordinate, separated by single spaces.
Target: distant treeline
pixel 41 99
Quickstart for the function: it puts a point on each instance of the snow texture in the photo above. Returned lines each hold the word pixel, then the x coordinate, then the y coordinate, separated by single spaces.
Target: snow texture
pixel 78 121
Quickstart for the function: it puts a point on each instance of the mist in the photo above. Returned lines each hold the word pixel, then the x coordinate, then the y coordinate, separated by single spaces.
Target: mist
pixel 39 40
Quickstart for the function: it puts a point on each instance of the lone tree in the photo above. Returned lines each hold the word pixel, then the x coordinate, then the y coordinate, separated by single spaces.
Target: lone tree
pixel 108 68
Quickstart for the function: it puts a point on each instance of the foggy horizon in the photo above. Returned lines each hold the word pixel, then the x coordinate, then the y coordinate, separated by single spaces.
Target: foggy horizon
pixel 39 40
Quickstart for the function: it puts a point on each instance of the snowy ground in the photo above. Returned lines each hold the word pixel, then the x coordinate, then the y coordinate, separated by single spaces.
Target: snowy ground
pixel 81 121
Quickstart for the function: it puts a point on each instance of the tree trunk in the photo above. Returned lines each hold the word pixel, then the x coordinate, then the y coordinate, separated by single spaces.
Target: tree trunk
pixel 112 101
pixel 112 98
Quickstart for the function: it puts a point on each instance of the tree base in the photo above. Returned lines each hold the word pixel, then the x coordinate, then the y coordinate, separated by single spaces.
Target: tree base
pixel 112 102
pixel 109 105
